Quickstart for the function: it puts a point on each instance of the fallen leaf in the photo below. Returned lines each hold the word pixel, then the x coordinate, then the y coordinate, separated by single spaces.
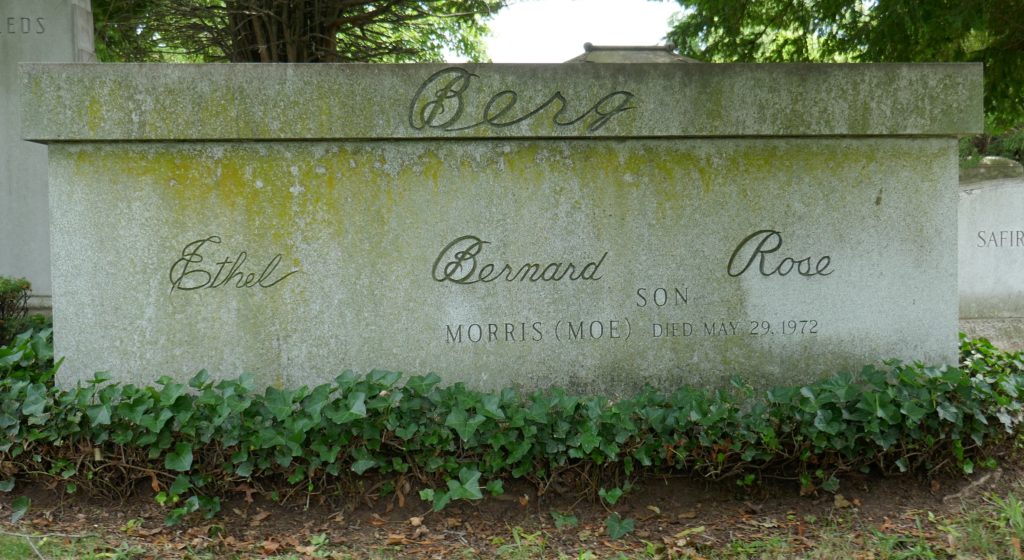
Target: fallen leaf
pixel 613 546
pixel 420 531
pixel 306 550
pixel 840 502
pixel 936 486
pixel 270 546
pixel 198 531
pixel 258 518
pixel 687 515
pixel 377 521
pixel 154 483
pixel 690 531
pixel 655 509
pixel 248 490
pixel 415 521
pixel 396 539
pixel 524 500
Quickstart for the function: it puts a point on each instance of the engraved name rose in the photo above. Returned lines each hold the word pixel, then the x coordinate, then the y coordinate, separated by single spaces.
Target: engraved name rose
pixel 753 253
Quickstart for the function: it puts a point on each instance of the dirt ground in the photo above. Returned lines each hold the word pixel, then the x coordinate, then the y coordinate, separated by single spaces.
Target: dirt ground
pixel 674 513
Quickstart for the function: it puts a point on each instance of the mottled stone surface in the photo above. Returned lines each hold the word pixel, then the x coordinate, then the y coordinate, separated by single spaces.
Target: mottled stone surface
pixel 39 31
pixel 593 263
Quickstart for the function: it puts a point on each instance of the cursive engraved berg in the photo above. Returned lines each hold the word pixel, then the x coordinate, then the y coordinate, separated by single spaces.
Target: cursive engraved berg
pixel 457 263
pixel 188 274
pixel 440 103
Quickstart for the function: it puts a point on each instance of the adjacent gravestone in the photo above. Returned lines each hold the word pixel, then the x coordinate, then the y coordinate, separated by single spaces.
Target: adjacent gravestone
pixel 37 31
pixel 991 168
pixel 992 261
pixel 590 226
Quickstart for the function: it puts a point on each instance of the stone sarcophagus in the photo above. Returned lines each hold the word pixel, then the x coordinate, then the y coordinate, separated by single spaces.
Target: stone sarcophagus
pixel 597 227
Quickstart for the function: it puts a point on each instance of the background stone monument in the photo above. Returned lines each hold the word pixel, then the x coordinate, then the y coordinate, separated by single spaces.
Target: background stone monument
pixel 991 260
pixel 32 31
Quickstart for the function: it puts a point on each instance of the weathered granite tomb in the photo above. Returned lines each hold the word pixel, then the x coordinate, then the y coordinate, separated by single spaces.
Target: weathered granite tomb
pixel 596 227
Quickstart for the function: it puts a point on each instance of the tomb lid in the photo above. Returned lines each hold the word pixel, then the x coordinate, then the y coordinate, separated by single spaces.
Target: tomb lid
pixel 224 102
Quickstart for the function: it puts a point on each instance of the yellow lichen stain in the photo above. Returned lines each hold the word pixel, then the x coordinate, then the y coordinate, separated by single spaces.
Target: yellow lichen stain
pixel 432 169
pixel 94 114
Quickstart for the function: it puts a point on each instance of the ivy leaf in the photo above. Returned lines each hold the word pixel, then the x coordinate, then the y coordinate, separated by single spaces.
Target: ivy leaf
pixel 99 415
pixel 19 507
pixel 459 420
pixel 7 485
pixel 611 496
pixel 913 411
pixel 279 402
pixel 408 431
pixel 496 487
pixel 363 465
pixel 357 404
pixel 490 406
pixel 564 520
pixel 155 422
pixel 467 487
pixel 618 527
pixel 949 412
pixel 588 441
pixel 180 459
pixel 200 379
pixel 181 484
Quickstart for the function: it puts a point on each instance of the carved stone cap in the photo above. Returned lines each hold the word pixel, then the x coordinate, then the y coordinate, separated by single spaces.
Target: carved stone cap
pixel 209 102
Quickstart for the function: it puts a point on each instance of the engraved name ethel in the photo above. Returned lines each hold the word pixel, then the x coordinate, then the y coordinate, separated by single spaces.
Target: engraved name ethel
pixel 190 273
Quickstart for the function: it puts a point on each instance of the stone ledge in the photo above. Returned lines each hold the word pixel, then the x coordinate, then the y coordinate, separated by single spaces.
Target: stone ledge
pixel 133 102
pixel 1005 333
